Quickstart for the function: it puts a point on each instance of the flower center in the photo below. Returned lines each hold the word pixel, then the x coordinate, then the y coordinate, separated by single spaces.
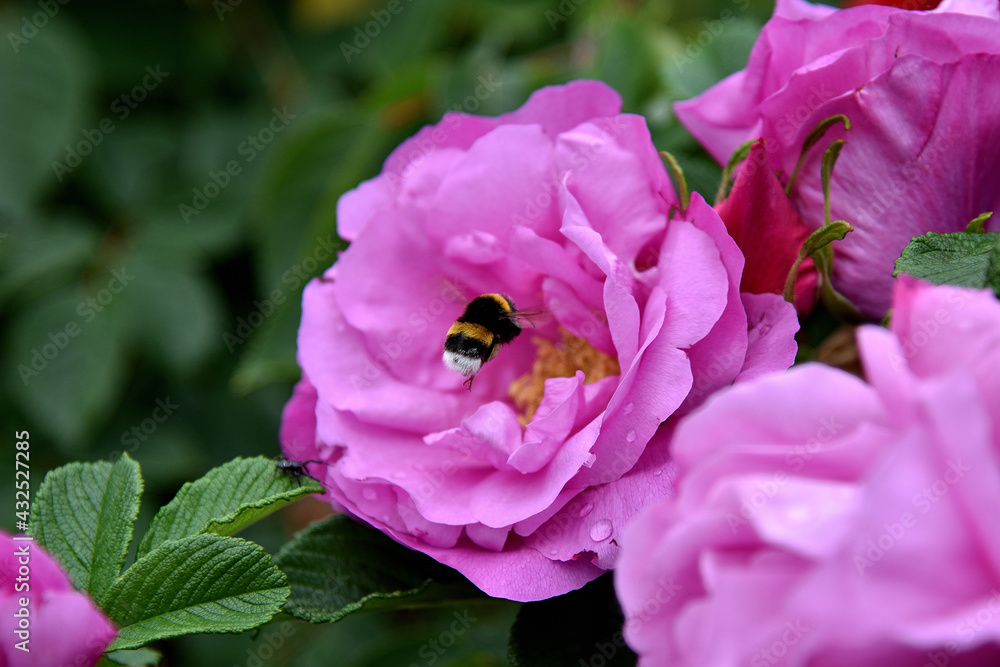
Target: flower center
pixel 557 360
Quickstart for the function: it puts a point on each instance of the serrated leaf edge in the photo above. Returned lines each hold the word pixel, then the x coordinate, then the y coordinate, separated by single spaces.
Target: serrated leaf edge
pixel 120 643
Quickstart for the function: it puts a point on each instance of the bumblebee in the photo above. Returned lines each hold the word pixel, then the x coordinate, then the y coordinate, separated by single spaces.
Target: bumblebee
pixel 489 321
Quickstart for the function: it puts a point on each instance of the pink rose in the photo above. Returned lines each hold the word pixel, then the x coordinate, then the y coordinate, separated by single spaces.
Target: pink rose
pixel 524 482
pixel 920 91
pixel 820 520
pixel 64 627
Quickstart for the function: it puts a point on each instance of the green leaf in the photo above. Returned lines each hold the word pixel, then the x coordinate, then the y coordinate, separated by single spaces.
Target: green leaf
pixel 269 354
pixel 337 566
pixel 204 583
pixel 409 35
pixel 320 157
pixel 581 627
pixel 993 270
pixel 84 515
pixel 45 84
pixel 624 58
pixel 690 66
pixel 172 312
pixel 38 255
pixel 961 258
pixel 142 657
pixel 225 500
pixel 217 230
pixel 135 161
pixel 69 362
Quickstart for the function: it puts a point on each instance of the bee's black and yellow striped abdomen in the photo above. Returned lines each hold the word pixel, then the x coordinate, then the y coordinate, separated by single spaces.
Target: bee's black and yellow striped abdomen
pixel 488 322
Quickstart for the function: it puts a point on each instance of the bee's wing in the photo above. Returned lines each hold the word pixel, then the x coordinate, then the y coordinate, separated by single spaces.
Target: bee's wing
pixel 540 314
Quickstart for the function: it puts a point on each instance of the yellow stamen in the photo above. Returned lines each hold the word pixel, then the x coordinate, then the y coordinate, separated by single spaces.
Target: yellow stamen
pixel 561 359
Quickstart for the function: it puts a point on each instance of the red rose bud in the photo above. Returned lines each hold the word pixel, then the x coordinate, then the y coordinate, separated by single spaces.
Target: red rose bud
pixel 769 231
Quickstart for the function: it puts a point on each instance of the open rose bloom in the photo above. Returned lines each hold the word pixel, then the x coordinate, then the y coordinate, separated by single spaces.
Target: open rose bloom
pixel 920 90
pixel 65 627
pixel 821 520
pixel 523 483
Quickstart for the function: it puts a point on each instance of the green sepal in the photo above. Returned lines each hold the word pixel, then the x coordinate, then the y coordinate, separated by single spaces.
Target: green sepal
pixel 975 225
pixel 819 239
pixel 830 156
pixel 738 156
pixel 811 140
pixel 682 187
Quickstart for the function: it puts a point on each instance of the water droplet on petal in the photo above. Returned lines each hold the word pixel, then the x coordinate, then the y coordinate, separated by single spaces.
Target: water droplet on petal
pixel 601 530
pixel 586 509
pixel 630 436
pixel 554 552
pixel 657 473
pixel 628 408
pixel 764 329
pixel 369 494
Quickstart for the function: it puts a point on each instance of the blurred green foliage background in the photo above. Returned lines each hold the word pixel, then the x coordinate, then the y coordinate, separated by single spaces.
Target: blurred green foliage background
pixel 169 174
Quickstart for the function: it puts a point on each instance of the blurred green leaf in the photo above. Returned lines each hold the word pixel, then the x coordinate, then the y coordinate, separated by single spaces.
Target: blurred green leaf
pixel 175 454
pixel 172 312
pixel 960 258
pixel 45 78
pixel 37 253
pixel 701 171
pixel 134 162
pixel 707 52
pixel 225 500
pixel 322 156
pixel 204 583
pixel 66 351
pixel 216 230
pixel 337 566
pixel 583 626
pixel 124 42
pixel 475 83
pixel 625 60
pixel 215 136
pixel 84 514
pixel 269 356
pixel 142 657
pixel 410 34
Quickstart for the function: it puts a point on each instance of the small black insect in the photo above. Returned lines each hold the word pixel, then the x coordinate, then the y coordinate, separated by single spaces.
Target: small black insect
pixel 296 469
